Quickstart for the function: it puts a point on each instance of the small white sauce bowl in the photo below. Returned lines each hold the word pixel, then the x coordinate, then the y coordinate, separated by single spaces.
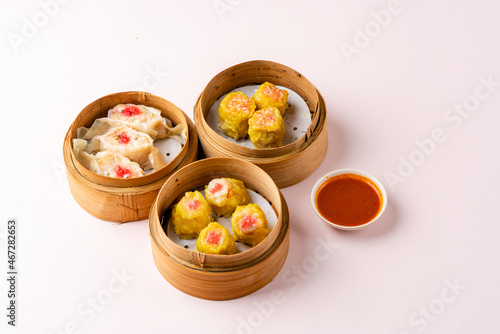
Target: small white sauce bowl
pixel 349 171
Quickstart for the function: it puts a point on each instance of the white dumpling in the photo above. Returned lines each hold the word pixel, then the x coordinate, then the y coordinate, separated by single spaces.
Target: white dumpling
pixel 147 120
pixel 128 130
pixel 138 117
pixel 106 163
pixel 115 165
pixel 135 145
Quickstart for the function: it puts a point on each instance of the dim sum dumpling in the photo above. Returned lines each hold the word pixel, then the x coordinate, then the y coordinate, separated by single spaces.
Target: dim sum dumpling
pixel 191 215
pixel 135 145
pixel 234 112
pixel 249 224
pixel 225 194
pixel 147 120
pixel 268 95
pixel 215 239
pixel 266 128
pixel 106 163
pixel 138 117
pixel 115 165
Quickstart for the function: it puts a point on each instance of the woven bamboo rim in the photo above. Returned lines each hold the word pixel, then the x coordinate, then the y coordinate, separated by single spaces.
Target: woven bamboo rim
pixel 255 73
pixel 121 203
pixel 219 277
pixel 100 107
pixel 288 164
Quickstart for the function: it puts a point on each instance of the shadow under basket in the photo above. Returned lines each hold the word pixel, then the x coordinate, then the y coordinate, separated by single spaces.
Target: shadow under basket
pixel 210 276
pixel 288 164
pixel 123 200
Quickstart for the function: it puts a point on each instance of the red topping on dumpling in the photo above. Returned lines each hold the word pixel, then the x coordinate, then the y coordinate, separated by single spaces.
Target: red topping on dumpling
pixel 216 188
pixel 123 138
pixel 131 111
pixel 247 223
pixel 122 171
pixel 193 205
pixel 213 237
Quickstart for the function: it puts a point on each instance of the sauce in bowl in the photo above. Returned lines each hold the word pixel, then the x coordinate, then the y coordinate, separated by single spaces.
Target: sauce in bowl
pixel 348 200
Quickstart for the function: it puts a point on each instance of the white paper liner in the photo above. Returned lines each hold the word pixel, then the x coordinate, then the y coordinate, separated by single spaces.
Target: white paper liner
pixel 256 198
pixel 297 117
pixel 169 148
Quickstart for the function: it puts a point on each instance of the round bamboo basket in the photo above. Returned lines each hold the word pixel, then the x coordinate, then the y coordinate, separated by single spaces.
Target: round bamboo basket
pixel 287 164
pixel 123 200
pixel 218 277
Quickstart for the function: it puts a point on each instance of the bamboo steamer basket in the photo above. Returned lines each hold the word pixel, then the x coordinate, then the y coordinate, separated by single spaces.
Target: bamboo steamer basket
pixel 123 200
pixel 287 164
pixel 218 277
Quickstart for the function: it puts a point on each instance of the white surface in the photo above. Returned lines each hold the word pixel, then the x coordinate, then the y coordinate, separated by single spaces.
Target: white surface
pixel 442 223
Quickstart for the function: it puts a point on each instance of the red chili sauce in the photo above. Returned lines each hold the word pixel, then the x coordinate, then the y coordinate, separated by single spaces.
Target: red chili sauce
pixel 348 200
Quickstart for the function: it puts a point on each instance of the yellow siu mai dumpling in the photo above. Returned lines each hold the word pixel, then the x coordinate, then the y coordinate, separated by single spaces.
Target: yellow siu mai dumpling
pixel 266 128
pixel 234 112
pixel 215 239
pixel 191 215
pixel 225 194
pixel 249 224
pixel 268 95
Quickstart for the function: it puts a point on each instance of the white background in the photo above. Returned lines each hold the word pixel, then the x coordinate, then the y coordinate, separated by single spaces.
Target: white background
pixel 441 226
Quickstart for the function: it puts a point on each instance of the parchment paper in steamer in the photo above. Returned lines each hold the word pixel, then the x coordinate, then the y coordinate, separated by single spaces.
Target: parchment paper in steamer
pixel 226 222
pixel 168 147
pixel 297 117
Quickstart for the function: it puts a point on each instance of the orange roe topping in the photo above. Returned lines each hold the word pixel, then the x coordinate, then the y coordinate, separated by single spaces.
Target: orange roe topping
pixel 265 118
pixel 123 138
pixel 239 103
pixel 131 111
pixel 273 92
pixel 247 223
pixel 122 171
pixel 193 205
pixel 213 237
pixel 216 188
